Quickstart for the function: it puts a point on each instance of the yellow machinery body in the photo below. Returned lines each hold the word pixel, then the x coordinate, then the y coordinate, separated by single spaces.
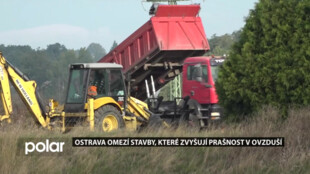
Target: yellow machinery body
pixel 27 91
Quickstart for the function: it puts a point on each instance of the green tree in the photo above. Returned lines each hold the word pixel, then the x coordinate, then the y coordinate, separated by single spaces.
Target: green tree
pixel 220 45
pixel 114 45
pixel 54 50
pixel 96 51
pixel 60 75
pixel 271 62
pixel 84 56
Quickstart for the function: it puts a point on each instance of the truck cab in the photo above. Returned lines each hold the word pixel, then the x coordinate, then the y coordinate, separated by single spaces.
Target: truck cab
pixel 199 76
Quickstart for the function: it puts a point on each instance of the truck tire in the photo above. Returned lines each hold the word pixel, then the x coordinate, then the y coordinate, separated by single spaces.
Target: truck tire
pixel 108 118
pixel 191 120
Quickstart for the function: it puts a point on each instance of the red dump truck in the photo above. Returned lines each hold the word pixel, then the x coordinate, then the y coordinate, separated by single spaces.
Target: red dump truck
pixel 160 46
pixel 158 50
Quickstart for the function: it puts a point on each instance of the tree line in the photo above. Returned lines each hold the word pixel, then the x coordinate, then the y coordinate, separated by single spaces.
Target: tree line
pixel 49 67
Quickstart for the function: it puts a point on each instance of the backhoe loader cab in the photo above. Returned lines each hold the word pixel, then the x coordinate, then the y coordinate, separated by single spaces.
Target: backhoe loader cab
pixel 94 80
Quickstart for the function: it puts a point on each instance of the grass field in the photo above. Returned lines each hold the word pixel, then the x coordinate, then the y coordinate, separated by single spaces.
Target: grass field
pixel 293 158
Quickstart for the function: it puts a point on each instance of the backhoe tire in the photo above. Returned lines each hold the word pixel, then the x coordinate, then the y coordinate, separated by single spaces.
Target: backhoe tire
pixel 108 118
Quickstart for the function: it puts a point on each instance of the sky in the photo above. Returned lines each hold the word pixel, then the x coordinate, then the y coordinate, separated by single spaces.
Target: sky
pixel 77 23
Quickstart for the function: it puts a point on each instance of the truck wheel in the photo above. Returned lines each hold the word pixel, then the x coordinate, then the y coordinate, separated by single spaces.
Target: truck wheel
pixel 194 121
pixel 191 120
pixel 108 118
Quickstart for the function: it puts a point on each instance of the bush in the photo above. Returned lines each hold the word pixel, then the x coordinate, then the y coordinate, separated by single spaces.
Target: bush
pixel 270 64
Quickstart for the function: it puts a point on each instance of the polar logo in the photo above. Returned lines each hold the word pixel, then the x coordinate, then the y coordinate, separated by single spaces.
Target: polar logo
pixel 40 147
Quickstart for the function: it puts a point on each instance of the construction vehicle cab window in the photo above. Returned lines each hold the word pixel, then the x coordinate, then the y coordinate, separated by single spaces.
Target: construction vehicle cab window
pixel 116 80
pixel 214 72
pixel 215 64
pixel 97 82
pixel 105 82
pixel 76 85
pixel 197 72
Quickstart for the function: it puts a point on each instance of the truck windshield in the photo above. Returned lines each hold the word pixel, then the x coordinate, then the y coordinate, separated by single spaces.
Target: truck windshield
pixel 214 71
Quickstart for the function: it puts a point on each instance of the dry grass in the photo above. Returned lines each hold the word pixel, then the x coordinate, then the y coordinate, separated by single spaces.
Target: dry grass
pixel 293 158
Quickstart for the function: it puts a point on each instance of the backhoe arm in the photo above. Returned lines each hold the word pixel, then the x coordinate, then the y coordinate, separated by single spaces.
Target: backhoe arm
pixel 26 89
pixel 5 94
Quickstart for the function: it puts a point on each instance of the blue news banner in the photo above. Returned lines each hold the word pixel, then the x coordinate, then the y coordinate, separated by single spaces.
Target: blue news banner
pixel 177 141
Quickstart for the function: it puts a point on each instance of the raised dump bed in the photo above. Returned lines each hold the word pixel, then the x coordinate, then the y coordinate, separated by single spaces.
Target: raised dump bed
pixel 159 47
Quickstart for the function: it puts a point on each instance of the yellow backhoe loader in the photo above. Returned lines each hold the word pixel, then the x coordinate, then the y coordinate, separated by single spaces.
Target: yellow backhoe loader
pixel 96 96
